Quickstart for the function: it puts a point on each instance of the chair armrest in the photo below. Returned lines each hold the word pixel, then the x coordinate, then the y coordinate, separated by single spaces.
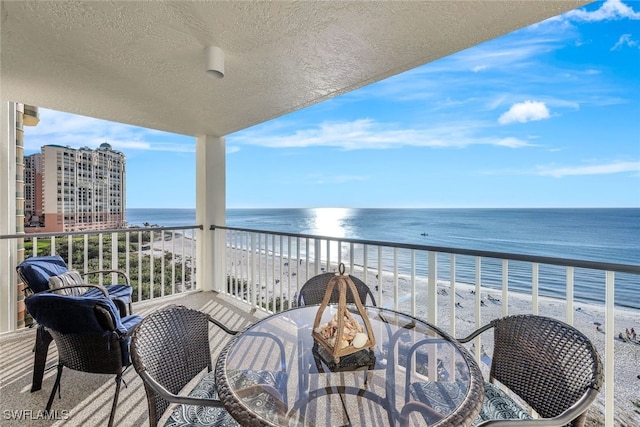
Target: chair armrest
pixel 119 272
pixel 415 405
pixel 221 326
pixel 174 398
pixel 476 333
pixel 84 285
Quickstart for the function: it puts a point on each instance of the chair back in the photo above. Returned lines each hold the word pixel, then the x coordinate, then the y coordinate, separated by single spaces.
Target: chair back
pixel 36 271
pixel 172 346
pixel 312 292
pixel 88 331
pixel 548 363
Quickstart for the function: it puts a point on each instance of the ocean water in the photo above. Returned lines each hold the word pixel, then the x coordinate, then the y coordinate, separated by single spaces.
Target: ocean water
pixel 606 235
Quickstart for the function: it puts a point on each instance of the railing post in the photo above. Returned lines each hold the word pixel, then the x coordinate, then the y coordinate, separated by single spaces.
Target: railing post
pixel 432 314
pixel 452 297
pixel 396 295
pixel 570 295
pixel 535 268
pixel 609 373
pixel 114 257
pixel 317 255
pixel 505 287
pixel 478 305
pixel 413 283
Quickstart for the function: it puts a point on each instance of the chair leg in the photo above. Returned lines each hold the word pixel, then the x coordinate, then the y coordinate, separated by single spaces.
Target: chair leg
pixel 41 348
pixel 115 399
pixel 56 386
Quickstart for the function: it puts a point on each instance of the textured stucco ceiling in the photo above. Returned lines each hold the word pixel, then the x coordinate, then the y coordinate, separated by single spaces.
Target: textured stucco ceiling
pixel 142 62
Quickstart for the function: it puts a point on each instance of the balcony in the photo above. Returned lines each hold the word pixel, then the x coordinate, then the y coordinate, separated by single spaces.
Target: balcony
pixel 261 271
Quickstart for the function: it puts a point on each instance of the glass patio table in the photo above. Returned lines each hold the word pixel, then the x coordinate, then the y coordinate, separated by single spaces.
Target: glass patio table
pixel 274 374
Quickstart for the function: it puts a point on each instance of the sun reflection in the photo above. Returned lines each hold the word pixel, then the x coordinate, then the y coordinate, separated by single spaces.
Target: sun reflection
pixel 330 221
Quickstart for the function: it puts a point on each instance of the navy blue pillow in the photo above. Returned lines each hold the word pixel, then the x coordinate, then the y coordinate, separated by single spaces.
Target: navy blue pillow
pixel 37 271
pixel 72 314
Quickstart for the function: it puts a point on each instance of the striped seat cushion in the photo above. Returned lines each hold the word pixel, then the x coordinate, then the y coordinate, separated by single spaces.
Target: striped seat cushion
pixel 497 405
pixel 191 415
pixel 444 397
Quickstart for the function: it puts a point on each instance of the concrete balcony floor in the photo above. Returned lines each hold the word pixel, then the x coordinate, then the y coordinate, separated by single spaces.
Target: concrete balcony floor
pixel 86 398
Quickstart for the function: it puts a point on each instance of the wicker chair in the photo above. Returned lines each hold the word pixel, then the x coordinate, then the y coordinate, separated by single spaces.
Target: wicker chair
pixel 36 273
pixel 314 289
pixel 170 348
pixel 89 333
pixel 549 364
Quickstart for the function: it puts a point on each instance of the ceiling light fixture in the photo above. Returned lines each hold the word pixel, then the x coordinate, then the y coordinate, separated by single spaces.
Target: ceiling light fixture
pixel 214 57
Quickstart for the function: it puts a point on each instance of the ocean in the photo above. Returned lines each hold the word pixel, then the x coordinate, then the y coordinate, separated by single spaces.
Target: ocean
pixel 606 235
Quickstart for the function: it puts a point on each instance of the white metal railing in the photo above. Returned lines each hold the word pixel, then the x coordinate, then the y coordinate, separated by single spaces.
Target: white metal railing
pixel 159 261
pixel 446 286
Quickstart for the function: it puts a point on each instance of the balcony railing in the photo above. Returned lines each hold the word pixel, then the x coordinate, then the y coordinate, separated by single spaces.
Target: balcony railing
pixel 458 289
pixel 159 261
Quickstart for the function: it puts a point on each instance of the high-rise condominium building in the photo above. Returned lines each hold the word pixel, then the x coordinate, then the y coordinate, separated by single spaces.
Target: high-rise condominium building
pixel 79 189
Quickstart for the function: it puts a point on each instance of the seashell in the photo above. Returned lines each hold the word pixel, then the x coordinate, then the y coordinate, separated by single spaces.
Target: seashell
pixel 344 344
pixel 360 340
pixel 331 342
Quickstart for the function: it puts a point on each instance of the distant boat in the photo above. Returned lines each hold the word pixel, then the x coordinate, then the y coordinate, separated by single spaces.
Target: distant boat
pixel 424 234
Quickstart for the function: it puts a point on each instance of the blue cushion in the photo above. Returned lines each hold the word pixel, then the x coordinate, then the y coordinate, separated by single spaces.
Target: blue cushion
pixel 443 396
pixel 497 405
pixel 37 271
pixel 72 314
pixel 121 292
pixel 190 415
pixel 129 322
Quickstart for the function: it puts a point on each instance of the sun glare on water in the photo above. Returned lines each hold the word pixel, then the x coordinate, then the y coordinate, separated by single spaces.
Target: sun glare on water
pixel 331 221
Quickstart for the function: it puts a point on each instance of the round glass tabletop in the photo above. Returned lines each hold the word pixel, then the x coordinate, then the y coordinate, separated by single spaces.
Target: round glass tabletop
pixel 275 373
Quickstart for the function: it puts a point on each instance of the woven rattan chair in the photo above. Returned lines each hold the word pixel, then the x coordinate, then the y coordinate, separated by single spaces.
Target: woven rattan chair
pixel 314 289
pixel 548 364
pixel 170 348
pixel 37 272
pixel 89 333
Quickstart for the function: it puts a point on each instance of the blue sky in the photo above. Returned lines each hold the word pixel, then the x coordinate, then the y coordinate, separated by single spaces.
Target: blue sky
pixel 548 116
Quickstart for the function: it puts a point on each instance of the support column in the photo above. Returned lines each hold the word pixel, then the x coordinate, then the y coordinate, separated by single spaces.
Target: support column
pixel 210 210
pixel 8 247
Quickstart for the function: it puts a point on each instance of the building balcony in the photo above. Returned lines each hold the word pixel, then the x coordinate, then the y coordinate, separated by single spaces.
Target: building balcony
pixel 260 273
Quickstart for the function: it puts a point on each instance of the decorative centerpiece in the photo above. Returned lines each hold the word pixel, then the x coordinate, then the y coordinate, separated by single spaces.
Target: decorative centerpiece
pixel 342 334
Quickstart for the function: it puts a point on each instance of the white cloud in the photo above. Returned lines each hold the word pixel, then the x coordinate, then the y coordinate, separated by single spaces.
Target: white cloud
pixel 603 169
pixel 58 128
pixel 512 143
pixel 610 10
pixel 369 134
pixel 525 112
pixel 479 68
pixel 625 40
